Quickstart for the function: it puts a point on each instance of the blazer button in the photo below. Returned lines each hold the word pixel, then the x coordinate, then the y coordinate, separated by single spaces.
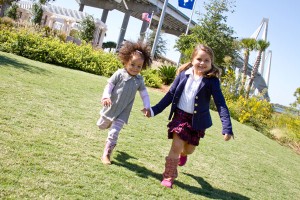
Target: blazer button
pixel 196 97
pixel 196 104
pixel 195 111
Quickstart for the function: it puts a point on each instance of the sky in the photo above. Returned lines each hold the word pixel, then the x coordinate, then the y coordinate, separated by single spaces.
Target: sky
pixel 283 34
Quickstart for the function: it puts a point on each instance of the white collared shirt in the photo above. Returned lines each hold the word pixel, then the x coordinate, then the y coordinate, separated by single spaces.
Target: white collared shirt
pixel 187 99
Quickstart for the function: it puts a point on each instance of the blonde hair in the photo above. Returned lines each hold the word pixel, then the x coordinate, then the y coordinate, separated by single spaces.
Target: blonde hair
pixel 214 72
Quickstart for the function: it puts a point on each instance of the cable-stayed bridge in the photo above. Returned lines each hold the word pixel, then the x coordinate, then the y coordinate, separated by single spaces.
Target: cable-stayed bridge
pixel 261 82
pixel 175 23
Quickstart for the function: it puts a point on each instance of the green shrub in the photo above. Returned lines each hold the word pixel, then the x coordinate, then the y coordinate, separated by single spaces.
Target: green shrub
pixel 288 124
pixel 8 22
pixel 50 49
pixel 25 43
pixel 62 37
pixel 7 38
pixel 108 63
pixel 167 73
pixel 229 85
pixel 74 33
pixel 152 78
pixel 47 31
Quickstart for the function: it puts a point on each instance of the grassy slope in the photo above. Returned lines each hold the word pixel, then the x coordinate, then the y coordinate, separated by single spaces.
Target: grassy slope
pixel 50 146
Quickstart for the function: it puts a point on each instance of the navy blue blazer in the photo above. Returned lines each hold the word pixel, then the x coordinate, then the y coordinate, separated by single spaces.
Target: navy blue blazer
pixel 201 117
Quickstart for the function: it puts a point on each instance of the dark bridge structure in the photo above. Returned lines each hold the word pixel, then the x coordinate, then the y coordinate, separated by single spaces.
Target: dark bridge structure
pixel 175 23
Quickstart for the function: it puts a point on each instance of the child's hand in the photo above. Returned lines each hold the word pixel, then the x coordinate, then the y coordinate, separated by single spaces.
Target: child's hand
pixel 146 112
pixel 227 137
pixel 106 102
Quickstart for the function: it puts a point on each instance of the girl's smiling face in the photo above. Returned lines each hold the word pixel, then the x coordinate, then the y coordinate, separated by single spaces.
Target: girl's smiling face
pixel 202 62
pixel 134 65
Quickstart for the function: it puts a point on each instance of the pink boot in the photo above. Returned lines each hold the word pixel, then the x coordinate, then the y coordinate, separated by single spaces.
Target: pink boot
pixel 182 160
pixel 170 172
pixel 107 153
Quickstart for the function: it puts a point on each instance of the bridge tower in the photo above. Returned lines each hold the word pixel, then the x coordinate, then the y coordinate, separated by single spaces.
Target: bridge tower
pixel 264 26
pixel 269 59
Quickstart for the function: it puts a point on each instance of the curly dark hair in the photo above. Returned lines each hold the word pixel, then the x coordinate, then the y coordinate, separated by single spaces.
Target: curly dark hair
pixel 129 49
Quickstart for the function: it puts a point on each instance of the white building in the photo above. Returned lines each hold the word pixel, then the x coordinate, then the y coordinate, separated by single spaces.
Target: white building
pixel 62 19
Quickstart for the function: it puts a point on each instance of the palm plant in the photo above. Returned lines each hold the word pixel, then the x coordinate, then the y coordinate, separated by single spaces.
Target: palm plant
pixel 248 44
pixel 167 73
pixel 261 46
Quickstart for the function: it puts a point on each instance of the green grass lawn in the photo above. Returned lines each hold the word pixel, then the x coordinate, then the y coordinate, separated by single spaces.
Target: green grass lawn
pixel 50 147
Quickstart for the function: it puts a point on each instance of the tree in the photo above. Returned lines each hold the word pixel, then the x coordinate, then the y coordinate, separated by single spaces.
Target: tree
pixel 11 12
pixel 261 46
pixel 37 13
pixel 248 44
pixel 37 10
pixel 212 31
pixel 297 95
pixel 6 3
pixel 161 44
pixel 44 1
pixel 87 28
pixel 109 45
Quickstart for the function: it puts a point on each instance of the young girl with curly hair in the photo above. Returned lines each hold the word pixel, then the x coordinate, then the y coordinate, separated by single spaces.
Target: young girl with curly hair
pixel 120 91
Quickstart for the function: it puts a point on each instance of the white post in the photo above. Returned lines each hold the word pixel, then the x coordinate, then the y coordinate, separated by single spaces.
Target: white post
pixel 159 28
pixel 187 29
pixel 188 26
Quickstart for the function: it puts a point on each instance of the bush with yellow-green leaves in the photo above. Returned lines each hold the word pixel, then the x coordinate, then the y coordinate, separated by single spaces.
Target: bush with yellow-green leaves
pixel 50 49
pixel 252 111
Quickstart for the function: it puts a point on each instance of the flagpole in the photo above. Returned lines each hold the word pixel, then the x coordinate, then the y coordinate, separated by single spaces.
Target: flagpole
pixel 161 20
pixel 149 25
pixel 187 28
pixel 151 19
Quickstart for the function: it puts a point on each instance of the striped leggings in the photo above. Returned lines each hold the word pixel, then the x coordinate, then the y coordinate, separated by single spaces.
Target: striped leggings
pixel 114 131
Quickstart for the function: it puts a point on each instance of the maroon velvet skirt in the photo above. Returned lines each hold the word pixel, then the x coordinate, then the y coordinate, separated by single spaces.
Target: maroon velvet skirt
pixel 181 125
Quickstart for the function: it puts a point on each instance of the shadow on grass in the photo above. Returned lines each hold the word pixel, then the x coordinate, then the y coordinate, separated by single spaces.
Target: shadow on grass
pixel 10 62
pixel 143 172
pixel 204 189
pixel 208 191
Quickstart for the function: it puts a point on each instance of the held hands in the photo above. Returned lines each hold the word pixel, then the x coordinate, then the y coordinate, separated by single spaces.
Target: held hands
pixel 106 102
pixel 227 137
pixel 146 112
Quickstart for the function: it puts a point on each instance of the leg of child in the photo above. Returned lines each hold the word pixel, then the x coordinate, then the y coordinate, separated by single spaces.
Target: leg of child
pixel 188 149
pixel 114 131
pixel 111 140
pixel 177 146
pixel 172 159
